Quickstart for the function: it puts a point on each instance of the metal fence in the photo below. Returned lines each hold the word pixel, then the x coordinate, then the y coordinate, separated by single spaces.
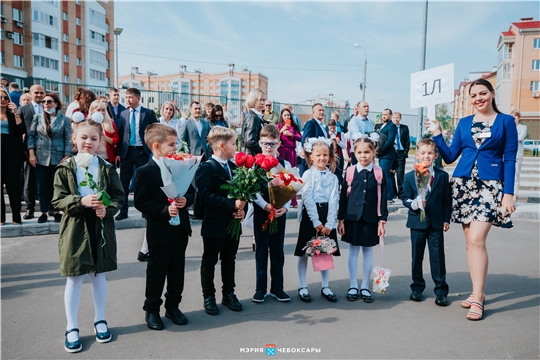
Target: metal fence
pixel 154 99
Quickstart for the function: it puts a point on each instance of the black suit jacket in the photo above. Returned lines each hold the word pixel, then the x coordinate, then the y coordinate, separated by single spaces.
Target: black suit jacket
pixel 404 137
pixel 312 129
pixel 251 133
pixel 26 113
pixel 218 208
pixel 388 151
pixel 146 118
pixel 439 201
pixel 152 202
pixel 116 117
pixel 362 201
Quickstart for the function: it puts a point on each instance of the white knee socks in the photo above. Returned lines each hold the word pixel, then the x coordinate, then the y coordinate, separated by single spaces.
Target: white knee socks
pixel 302 273
pixel 72 297
pixel 367 253
pixel 353 267
pixel 367 265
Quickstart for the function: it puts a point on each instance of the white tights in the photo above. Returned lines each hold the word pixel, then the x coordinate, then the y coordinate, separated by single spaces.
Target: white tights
pixel 302 274
pixel 72 297
pixel 367 265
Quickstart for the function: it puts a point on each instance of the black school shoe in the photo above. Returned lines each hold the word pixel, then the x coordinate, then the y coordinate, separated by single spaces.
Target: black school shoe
pixel 105 336
pixel 153 321
pixel 280 295
pixel 441 300
pixel 142 257
pixel 210 306
pixel 75 346
pixel 176 316
pixel 231 301
pixel 259 296
pixel 42 218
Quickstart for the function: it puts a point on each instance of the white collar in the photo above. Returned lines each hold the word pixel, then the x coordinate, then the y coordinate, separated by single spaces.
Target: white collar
pixel 220 160
pixel 314 168
pixel 360 168
pixel 138 108
pixel 257 112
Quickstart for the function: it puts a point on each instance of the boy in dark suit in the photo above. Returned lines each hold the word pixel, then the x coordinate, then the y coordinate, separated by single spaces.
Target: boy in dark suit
pixel 437 207
pixel 219 210
pixel 166 243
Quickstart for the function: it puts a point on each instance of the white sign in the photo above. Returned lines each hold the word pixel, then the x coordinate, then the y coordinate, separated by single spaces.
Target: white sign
pixel 431 87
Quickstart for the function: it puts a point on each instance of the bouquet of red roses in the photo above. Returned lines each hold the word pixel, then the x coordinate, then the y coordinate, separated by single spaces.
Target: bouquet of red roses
pixel 283 187
pixel 251 173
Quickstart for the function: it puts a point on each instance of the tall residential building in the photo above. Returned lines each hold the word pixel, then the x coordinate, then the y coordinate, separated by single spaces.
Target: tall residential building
pixel 61 41
pixel 518 72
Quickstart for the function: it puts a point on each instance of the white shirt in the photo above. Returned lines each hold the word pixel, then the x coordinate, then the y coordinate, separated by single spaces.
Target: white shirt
pixel 320 188
pixel 138 140
pixel 360 168
pixel 262 203
pixel 223 162
pixel 198 125
pixel 81 175
pixel 322 127
pixel 38 108
pixel 341 142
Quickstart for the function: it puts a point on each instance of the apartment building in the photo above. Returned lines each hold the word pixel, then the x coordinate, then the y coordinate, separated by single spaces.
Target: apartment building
pixel 462 103
pixel 61 41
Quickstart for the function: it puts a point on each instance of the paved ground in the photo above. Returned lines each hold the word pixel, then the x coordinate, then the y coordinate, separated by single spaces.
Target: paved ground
pixel 33 319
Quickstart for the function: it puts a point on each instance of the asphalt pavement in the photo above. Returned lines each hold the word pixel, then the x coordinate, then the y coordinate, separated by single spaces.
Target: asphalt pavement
pixel 392 327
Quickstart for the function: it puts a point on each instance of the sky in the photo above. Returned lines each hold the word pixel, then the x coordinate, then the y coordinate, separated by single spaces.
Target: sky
pixel 306 49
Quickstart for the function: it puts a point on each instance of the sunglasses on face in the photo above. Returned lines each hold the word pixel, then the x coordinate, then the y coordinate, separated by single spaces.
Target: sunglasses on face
pixel 267 105
pixel 48 101
pixel 269 144
pixel 5 97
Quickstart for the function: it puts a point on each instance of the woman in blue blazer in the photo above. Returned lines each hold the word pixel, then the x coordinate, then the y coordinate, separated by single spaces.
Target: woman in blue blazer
pixel 49 144
pixel 483 181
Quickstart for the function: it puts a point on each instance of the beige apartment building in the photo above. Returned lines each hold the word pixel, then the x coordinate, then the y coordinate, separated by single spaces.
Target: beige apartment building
pixel 61 41
pixel 462 103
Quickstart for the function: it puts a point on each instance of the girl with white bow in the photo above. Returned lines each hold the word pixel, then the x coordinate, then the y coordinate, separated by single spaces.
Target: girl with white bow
pixel 318 210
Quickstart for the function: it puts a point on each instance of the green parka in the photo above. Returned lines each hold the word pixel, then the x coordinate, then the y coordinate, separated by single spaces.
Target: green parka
pixel 74 241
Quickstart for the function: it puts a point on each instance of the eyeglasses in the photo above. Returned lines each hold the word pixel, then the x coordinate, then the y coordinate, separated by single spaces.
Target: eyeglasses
pixel 269 144
pixel 48 101
pixel 268 105
pixel 5 97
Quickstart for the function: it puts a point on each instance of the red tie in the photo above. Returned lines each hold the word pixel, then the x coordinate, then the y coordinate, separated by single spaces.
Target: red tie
pixel 431 182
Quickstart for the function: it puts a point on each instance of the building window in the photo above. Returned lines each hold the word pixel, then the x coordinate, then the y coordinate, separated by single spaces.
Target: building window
pixel 66 58
pixel 535 85
pixel 17 14
pixel 18 61
pixel 65 16
pixel 536 65
pixel 42 61
pixel 78 21
pixel 17 38
pixel 66 78
pixel 97 58
pixel 79 81
pixel 243 83
pixel 211 90
pixel 66 38
pixel 52 2
pixel 45 41
pixel 78 41
pixel 97 38
pixel 536 43
pixel 3 58
pixel 1 33
pixel 201 84
pixel 79 62
pixel 98 75
pixel 45 18
pixel 253 83
pixel 78 2
pixel 98 19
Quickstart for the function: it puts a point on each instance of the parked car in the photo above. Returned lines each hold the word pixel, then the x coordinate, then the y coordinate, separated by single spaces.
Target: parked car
pixel 531 145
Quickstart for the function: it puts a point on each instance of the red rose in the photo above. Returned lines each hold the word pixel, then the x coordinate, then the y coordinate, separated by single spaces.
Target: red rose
pixel 250 160
pixel 259 158
pixel 240 159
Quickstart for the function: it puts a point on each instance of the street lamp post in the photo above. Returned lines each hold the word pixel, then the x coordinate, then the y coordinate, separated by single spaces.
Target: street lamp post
pixel 117 32
pixel 365 72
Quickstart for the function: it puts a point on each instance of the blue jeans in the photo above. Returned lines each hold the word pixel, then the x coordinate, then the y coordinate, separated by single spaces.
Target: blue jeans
pixel 386 165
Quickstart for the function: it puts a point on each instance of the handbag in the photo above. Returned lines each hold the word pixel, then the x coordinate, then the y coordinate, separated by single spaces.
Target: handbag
pixel 379 274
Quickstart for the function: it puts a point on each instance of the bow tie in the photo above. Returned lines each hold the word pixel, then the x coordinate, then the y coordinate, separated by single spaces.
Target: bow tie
pixel 323 172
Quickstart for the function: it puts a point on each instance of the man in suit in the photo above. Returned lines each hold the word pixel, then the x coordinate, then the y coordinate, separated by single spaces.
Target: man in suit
pixel 195 133
pixel 388 152
pixel 403 144
pixel 437 210
pixel 359 124
pixel 115 106
pixel 313 128
pixel 132 151
pixel 27 112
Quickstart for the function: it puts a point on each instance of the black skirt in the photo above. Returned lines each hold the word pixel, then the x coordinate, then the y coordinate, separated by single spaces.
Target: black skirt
pixel 361 233
pixel 307 231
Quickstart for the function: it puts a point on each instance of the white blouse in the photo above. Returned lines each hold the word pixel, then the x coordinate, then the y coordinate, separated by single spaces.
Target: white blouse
pixel 320 187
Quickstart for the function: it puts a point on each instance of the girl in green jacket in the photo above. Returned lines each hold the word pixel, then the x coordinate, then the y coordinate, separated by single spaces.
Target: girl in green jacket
pixel 88 190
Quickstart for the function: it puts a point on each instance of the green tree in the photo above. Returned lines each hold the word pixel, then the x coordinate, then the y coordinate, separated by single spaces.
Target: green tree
pixel 443 116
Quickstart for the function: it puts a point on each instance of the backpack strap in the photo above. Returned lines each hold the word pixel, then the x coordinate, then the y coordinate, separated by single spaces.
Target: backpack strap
pixel 377 171
pixel 349 177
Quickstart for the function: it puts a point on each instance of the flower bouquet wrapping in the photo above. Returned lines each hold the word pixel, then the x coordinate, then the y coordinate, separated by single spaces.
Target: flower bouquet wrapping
pixel 423 178
pixel 250 175
pixel 285 184
pixel 380 278
pixel 181 168
pixel 84 160
pixel 320 250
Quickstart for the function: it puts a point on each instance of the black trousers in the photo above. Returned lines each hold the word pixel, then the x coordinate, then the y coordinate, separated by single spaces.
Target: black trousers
pixel 30 186
pixel 339 169
pixel 11 171
pixel 225 249
pixel 400 172
pixel 165 262
pixel 45 182
pixel 264 241
pixel 435 242
pixel 135 158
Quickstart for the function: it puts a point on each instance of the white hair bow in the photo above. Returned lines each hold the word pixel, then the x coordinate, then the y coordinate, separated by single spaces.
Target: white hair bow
pixel 308 144
pixel 97 117
pixel 77 117
pixel 373 136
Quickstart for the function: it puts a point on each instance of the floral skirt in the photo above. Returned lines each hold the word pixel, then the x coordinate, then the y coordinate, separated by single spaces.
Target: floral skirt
pixel 478 200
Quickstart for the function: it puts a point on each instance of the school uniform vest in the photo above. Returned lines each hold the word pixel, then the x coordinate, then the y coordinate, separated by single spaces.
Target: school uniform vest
pixel 362 201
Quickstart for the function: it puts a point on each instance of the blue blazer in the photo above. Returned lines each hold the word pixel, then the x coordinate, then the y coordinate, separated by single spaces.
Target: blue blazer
pixel 312 130
pixel 438 201
pixel 146 118
pixel 496 157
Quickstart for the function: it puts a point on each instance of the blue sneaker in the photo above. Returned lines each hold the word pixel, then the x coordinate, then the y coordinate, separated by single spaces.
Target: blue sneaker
pixel 75 346
pixel 105 336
